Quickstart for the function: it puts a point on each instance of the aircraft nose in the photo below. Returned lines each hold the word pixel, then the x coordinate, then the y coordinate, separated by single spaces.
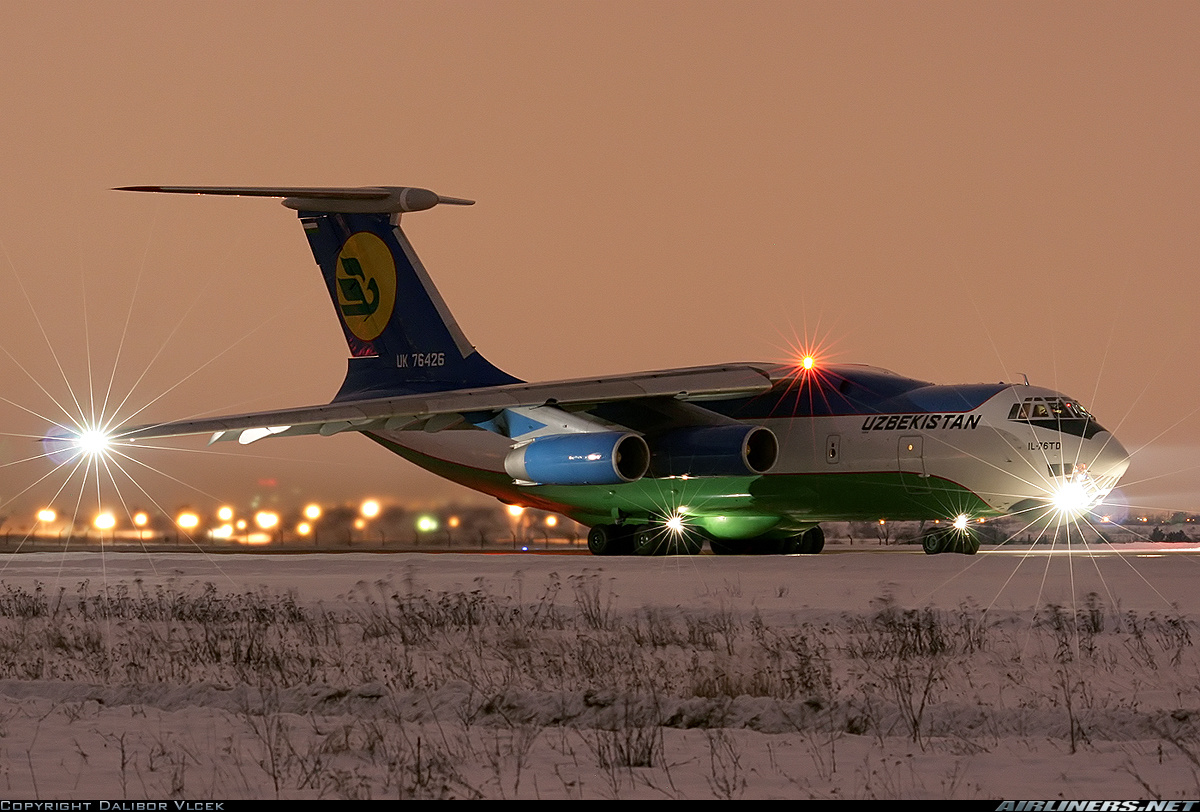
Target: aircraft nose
pixel 1111 462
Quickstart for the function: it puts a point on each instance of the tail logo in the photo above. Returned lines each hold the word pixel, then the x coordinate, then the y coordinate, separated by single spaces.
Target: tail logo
pixel 366 285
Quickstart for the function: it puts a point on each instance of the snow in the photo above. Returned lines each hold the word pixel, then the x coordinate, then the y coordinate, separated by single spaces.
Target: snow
pixel 853 674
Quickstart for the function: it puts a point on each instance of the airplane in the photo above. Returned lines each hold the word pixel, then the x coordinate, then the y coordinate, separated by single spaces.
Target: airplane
pixel 750 458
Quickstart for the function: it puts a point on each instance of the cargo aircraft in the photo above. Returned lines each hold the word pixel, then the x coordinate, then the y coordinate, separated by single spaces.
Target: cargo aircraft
pixel 749 457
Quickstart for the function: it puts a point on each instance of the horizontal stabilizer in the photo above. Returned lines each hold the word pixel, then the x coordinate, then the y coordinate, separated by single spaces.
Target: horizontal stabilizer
pixel 333 199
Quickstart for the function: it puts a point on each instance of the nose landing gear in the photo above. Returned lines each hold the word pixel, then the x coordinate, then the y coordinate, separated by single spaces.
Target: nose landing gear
pixel 949 540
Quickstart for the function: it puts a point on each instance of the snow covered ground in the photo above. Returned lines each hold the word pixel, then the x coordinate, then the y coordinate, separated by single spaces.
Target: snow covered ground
pixel 875 674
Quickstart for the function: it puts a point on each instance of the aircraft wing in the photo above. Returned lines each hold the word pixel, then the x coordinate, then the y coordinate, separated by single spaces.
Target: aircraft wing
pixel 436 411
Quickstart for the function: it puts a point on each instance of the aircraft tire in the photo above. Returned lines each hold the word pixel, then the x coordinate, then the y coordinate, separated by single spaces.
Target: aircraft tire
pixel 932 542
pixel 793 545
pixel 813 541
pixel 649 539
pixel 689 544
pixel 646 541
pixel 609 539
pixel 767 546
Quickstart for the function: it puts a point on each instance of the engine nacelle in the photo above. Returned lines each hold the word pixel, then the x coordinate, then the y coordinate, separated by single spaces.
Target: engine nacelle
pixel 594 458
pixel 714 451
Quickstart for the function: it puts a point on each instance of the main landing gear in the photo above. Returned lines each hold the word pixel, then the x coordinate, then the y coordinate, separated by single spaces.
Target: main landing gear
pixel 658 539
pixel 644 539
pixel 810 542
pixel 610 539
pixel 949 540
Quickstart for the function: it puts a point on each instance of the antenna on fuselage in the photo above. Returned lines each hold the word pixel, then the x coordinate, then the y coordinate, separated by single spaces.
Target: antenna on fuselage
pixel 1025 377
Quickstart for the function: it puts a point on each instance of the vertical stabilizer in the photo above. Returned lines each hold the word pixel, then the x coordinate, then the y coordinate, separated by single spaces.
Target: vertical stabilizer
pixel 402 337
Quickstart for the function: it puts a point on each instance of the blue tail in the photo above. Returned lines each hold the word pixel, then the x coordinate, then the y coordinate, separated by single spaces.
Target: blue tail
pixel 403 339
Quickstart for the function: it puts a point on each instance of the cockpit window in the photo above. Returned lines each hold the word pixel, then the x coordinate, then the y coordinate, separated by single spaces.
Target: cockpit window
pixel 1060 414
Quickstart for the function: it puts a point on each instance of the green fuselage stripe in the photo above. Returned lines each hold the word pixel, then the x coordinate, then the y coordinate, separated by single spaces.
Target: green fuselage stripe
pixel 797 500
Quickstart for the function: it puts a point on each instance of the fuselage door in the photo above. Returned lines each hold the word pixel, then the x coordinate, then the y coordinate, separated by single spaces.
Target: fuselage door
pixel 833 449
pixel 911 458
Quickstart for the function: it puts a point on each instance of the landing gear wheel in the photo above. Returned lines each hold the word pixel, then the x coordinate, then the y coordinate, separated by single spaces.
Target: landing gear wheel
pixel 949 541
pixel 933 542
pixel 646 541
pixel 610 539
pixel 792 545
pixel 813 541
pixel 653 539
pixel 689 543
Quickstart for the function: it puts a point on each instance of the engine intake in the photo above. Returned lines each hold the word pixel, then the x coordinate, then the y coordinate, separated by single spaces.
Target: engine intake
pixel 595 458
pixel 714 451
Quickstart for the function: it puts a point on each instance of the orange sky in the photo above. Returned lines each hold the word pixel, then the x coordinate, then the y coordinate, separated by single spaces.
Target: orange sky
pixel 959 192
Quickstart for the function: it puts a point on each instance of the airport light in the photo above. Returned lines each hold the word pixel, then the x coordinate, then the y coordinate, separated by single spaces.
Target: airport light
pixel 225 514
pixel 187 520
pixel 105 521
pixel 267 521
pixel 312 512
pixel 303 529
pixel 808 362
pixel 551 521
pixel 515 513
pixel 46 515
pixel 454 521
pixel 427 524
pixel 370 509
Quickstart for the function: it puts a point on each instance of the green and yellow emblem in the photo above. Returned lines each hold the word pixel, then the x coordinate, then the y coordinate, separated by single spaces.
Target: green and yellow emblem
pixel 366 285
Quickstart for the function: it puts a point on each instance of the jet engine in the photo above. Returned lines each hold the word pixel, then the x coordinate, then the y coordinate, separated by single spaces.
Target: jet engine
pixel 714 451
pixel 593 458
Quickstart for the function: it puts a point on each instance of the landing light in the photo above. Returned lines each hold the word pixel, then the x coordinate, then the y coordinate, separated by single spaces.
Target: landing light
pixel 808 362
pixel 93 442
pixel 63 445
pixel 961 521
pixel 1071 498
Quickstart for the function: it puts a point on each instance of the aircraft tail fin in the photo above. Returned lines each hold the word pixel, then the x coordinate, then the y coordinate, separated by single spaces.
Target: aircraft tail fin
pixel 402 337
